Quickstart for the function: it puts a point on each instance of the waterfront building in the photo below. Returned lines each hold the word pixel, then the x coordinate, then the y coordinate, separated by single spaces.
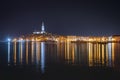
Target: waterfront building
pixel 42 30
pixel 43 35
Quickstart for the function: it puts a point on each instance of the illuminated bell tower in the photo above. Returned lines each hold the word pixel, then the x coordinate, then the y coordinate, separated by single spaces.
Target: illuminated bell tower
pixel 43 28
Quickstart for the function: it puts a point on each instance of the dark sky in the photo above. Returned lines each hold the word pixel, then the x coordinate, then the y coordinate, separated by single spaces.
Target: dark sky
pixel 71 17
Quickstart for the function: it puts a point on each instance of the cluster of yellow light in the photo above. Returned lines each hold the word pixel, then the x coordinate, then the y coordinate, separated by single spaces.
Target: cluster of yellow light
pixel 90 39
pixel 27 52
pixel 113 39
pixel 97 53
pixel 14 40
pixel 69 38
pixel 15 52
pixel 32 39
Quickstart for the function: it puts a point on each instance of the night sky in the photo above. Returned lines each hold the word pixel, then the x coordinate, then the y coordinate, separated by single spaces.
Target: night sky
pixel 71 17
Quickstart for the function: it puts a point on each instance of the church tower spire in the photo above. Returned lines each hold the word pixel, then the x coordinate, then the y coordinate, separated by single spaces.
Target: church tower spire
pixel 42 28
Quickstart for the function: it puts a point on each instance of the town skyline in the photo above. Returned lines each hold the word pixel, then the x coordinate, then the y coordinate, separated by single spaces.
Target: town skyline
pixel 95 18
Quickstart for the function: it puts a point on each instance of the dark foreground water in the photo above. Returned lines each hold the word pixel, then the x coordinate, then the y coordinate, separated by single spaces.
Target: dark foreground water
pixel 59 61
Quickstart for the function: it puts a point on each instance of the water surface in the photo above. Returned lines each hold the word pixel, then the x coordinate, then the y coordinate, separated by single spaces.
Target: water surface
pixel 51 60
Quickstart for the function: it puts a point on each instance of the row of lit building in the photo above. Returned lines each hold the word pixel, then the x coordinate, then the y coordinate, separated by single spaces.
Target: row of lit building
pixel 45 36
pixel 57 38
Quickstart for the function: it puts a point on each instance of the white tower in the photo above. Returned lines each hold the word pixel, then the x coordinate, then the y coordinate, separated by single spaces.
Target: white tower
pixel 43 28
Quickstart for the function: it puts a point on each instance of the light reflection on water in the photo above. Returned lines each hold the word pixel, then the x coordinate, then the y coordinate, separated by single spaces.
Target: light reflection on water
pixel 42 56
pixel 8 53
pixel 83 54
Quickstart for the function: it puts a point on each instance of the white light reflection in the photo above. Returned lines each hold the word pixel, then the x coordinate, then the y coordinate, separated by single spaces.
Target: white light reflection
pixel 32 52
pixel 9 39
pixel 20 52
pixel 109 53
pixel 42 56
pixel 8 52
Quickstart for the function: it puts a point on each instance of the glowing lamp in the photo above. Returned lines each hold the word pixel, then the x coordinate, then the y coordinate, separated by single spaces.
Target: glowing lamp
pixel 9 39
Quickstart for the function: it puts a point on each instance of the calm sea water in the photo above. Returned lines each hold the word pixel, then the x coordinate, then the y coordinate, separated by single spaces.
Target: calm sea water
pixel 49 60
